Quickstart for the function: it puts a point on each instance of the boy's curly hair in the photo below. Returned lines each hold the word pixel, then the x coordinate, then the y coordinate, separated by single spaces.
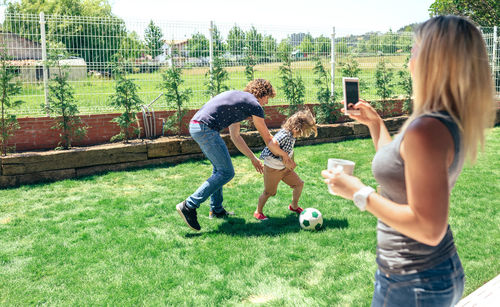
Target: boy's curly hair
pixel 302 122
pixel 260 88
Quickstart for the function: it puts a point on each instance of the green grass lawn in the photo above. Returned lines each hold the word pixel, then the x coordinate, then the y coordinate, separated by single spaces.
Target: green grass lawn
pixel 92 94
pixel 116 239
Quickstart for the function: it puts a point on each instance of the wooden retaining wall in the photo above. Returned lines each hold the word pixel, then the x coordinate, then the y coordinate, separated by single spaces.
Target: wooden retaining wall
pixel 33 167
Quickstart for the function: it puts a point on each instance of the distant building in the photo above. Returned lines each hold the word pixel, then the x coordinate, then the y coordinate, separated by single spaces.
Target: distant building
pixel 26 56
pixel 173 49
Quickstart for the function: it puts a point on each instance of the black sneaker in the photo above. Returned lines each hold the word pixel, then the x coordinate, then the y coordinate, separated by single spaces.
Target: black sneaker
pixel 220 215
pixel 189 215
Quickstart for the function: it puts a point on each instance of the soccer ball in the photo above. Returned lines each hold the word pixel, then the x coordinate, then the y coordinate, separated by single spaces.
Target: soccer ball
pixel 311 219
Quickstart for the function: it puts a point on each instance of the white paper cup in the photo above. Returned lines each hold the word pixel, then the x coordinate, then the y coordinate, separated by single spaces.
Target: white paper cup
pixel 340 165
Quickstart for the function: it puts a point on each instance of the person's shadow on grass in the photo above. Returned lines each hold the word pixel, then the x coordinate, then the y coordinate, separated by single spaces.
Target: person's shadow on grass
pixel 274 226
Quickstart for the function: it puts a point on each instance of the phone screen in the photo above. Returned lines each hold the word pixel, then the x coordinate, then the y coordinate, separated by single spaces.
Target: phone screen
pixel 351 92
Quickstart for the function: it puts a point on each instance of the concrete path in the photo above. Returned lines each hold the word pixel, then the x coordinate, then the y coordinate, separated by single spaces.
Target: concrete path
pixel 486 296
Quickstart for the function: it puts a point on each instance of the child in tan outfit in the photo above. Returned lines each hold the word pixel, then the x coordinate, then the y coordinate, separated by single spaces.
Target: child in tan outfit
pixel 300 124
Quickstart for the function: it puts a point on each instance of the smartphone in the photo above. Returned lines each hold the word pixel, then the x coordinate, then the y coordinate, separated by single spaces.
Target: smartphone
pixel 351 94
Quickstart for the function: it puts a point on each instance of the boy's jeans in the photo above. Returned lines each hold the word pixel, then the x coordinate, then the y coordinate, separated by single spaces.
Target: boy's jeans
pixel 216 151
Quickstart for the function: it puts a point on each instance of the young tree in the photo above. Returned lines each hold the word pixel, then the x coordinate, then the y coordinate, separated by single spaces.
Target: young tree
pixel 175 97
pixel 215 84
pixel 407 85
pixel 63 105
pixel 249 61
pixel 327 112
pixel 154 39
pixel 292 86
pixel 125 97
pixel 8 88
pixel 383 82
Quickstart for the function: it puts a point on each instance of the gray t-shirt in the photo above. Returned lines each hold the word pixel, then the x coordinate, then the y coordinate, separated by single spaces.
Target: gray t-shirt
pixel 397 253
pixel 228 108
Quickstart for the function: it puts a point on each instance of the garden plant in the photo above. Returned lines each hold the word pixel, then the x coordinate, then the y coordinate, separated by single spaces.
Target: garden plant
pixel 8 87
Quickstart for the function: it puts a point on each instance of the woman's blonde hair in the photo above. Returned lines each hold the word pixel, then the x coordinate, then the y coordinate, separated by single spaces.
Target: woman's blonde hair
pixel 451 73
pixel 260 88
pixel 302 122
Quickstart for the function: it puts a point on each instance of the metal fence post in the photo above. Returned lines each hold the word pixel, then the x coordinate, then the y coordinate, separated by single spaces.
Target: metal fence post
pixel 494 58
pixel 44 60
pixel 332 62
pixel 211 51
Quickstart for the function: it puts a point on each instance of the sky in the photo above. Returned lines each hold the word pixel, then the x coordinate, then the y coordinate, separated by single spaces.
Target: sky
pixel 277 17
pixel 347 16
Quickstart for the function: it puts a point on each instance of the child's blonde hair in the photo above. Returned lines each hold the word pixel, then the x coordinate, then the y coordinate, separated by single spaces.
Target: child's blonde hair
pixel 452 74
pixel 302 123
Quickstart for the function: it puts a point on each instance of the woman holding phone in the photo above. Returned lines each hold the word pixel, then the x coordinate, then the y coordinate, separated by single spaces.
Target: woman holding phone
pixel 418 264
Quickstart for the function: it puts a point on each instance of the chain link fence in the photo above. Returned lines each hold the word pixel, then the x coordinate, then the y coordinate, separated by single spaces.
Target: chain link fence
pixel 90 47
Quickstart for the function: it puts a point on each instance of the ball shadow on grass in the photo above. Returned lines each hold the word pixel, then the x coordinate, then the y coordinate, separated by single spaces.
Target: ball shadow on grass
pixel 274 226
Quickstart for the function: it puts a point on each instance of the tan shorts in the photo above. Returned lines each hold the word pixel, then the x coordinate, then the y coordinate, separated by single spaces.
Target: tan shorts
pixel 272 178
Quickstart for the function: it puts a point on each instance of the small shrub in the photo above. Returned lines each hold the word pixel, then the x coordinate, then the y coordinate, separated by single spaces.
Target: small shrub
pixel 8 88
pixel 407 85
pixel 292 86
pixel 63 104
pixel 175 97
pixel 125 97
pixel 327 111
pixel 383 83
pixel 216 78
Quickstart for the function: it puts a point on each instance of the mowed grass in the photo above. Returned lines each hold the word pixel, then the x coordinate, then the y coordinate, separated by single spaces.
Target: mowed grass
pixel 116 239
pixel 93 94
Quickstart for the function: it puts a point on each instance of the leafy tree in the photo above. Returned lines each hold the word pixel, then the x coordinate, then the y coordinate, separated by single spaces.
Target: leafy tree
pixel 406 84
pixel 269 46
pixel 236 40
pixel 125 97
pixel 154 39
pixel 292 86
pixel 307 45
pixel 254 42
pixel 198 45
pixel 327 111
pixel 175 97
pixel 322 46
pixel 216 78
pixel 284 48
pixel 8 88
pixel 383 83
pixel 63 105
pixel 219 46
pixel 131 46
pixel 485 13
pixel 79 36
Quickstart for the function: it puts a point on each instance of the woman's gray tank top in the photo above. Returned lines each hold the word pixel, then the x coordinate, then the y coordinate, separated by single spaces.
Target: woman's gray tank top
pixel 397 253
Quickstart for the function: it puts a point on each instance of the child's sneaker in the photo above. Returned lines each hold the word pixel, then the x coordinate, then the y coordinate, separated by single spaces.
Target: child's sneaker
pixel 260 216
pixel 298 210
